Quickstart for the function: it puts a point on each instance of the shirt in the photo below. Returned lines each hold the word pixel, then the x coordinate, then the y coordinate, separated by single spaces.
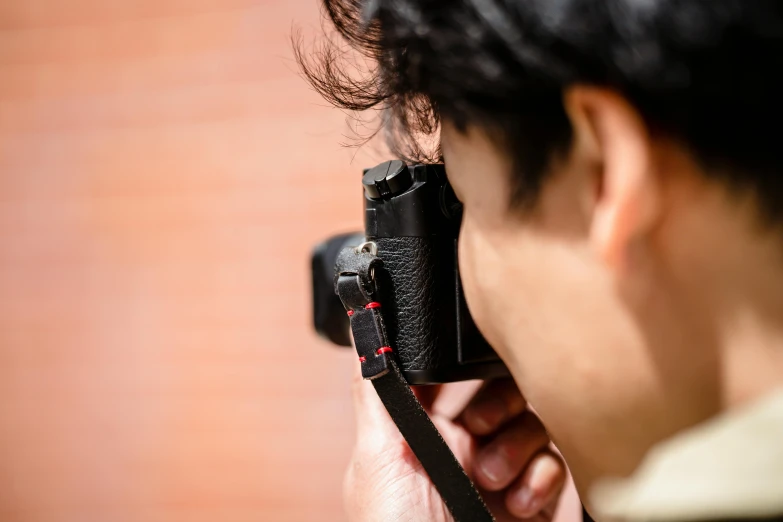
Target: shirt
pixel 730 467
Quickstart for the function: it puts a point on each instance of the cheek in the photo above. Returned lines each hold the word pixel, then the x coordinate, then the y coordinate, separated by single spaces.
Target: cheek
pixel 504 288
pixel 534 301
pixel 481 274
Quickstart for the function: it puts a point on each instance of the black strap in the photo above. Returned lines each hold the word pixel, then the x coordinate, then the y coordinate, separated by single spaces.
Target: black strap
pixel 356 286
pixel 448 476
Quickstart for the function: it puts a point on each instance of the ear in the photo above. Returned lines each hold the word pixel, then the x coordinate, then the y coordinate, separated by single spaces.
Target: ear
pixel 625 197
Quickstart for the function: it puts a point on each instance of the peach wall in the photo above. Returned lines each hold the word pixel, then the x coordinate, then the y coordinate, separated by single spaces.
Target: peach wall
pixel 164 173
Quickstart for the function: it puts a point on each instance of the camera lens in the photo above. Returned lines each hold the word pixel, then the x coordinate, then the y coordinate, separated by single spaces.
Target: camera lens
pixel 450 205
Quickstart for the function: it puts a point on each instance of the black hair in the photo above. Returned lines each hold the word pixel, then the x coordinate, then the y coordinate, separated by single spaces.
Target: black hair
pixel 704 72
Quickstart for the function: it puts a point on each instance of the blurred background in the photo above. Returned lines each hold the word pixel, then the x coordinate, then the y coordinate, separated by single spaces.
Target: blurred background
pixel 164 174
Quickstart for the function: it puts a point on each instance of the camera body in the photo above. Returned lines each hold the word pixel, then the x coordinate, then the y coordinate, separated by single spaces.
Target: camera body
pixel 413 216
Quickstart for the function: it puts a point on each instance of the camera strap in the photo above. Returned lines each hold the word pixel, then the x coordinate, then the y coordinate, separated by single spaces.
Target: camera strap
pixel 355 284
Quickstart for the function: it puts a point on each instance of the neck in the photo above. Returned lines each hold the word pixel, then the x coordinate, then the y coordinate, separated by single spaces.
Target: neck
pixel 751 346
pixel 743 297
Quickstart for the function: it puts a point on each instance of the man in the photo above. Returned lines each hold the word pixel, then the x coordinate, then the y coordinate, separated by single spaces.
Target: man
pixel 621 246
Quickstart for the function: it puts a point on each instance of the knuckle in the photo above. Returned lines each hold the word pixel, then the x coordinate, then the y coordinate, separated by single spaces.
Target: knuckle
pixel 506 392
pixel 530 424
pixel 560 473
pixel 525 431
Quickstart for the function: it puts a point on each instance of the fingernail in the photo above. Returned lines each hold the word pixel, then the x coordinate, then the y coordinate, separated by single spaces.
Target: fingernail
pixel 526 501
pixel 495 467
pixel 539 487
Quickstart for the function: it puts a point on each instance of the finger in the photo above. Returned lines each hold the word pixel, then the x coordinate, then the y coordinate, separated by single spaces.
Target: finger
pixel 427 394
pixel 509 452
pixel 539 487
pixel 372 420
pixel 494 404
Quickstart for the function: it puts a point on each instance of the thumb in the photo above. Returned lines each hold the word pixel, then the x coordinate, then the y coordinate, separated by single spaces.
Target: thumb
pixel 373 422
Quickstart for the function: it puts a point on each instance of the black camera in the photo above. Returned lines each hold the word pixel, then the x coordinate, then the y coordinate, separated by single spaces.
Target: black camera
pixel 412 217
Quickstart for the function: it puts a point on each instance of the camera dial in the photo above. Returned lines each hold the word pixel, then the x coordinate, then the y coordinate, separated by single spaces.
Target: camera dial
pixel 387 180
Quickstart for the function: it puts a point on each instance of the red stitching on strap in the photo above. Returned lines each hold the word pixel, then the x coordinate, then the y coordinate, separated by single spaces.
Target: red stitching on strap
pixel 372 305
pixel 384 349
pixel 350 313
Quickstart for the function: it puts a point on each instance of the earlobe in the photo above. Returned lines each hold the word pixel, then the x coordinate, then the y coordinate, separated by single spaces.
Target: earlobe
pixel 626 192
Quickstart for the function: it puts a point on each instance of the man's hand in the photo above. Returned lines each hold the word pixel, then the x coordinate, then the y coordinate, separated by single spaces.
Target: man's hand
pixel 500 443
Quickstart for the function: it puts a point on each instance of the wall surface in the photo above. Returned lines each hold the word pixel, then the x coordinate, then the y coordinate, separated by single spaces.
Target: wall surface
pixel 163 175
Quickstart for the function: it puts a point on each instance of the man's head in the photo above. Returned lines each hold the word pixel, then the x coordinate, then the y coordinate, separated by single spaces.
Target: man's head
pixel 618 165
